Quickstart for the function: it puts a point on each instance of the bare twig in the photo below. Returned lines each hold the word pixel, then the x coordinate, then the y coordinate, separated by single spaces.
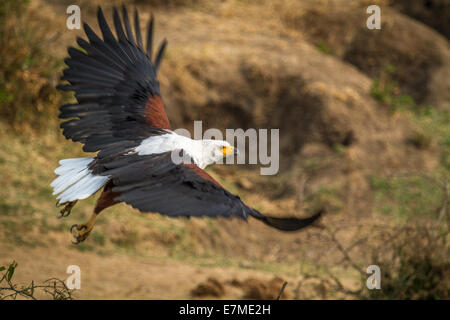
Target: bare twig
pixel 282 289
pixel 345 253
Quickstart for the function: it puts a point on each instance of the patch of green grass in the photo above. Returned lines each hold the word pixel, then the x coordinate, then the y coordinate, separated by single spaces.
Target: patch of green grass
pixel 385 92
pixel 330 197
pixel 340 149
pixel 210 259
pixel 45 192
pixel 436 125
pixel 212 225
pixel 6 209
pixel 9 225
pixel 84 247
pixel 323 47
pixel 56 225
pixel 406 196
pixel 99 238
pixel 420 140
pixel 128 239
pixel 179 242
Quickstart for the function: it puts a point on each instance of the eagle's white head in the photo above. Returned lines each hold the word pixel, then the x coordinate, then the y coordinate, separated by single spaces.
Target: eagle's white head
pixel 214 151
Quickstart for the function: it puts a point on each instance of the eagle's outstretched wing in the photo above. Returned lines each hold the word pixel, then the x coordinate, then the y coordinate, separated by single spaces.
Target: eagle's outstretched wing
pixel 154 183
pixel 114 79
pixel 118 105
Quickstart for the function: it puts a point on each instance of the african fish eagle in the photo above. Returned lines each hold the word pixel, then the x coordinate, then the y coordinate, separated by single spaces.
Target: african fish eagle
pixel 120 115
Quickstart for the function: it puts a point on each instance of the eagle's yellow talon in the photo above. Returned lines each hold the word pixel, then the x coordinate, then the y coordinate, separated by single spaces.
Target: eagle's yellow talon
pixel 67 208
pixel 81 231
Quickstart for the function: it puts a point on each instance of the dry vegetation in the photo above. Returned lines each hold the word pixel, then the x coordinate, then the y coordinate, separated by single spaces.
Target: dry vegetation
pixel 55 289
pixel 365 132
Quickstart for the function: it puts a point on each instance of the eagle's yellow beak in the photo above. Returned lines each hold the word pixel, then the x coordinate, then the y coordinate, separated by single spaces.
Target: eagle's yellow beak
pixel 229 150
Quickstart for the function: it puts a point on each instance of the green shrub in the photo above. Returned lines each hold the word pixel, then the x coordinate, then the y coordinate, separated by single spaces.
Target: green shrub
pixel 414 263
pixel 408 196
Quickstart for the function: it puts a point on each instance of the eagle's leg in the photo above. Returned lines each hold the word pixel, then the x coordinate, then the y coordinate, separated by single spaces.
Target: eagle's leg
pixel 67 208
pixel 81 231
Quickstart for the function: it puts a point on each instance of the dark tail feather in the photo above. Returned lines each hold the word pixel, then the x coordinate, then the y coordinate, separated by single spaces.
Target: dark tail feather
pixel 287 224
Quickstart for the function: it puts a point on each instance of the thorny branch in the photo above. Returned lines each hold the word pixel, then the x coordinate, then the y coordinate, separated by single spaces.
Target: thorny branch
pixel 53 287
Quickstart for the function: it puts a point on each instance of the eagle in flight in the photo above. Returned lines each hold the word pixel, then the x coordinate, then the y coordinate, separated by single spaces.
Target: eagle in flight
pixel 119 114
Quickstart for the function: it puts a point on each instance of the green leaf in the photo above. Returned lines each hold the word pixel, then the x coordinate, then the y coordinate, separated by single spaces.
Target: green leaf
pixel 11 269
pixel 10 274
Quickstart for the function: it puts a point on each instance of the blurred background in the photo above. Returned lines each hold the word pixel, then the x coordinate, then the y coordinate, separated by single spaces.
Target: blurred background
pixel 364 133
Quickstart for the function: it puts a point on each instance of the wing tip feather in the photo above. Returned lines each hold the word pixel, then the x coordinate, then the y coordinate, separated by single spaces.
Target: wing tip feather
pixel 289 224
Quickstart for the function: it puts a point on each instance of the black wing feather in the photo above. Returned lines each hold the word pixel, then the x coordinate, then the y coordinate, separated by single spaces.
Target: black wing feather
pixel 112 78
pixel 118 26
pixel 108 37
pixel 160 54
pixel 150 37
pixel 137 29
pixel 153 183
pixel 127 25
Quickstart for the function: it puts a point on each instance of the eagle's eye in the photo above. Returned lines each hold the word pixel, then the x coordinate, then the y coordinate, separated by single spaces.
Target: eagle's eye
pixel 227 150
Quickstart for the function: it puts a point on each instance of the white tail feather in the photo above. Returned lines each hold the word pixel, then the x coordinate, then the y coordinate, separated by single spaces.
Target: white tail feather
pixel 75 181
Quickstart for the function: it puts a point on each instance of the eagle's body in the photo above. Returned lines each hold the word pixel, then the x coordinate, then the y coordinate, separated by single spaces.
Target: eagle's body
pixel 120 115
